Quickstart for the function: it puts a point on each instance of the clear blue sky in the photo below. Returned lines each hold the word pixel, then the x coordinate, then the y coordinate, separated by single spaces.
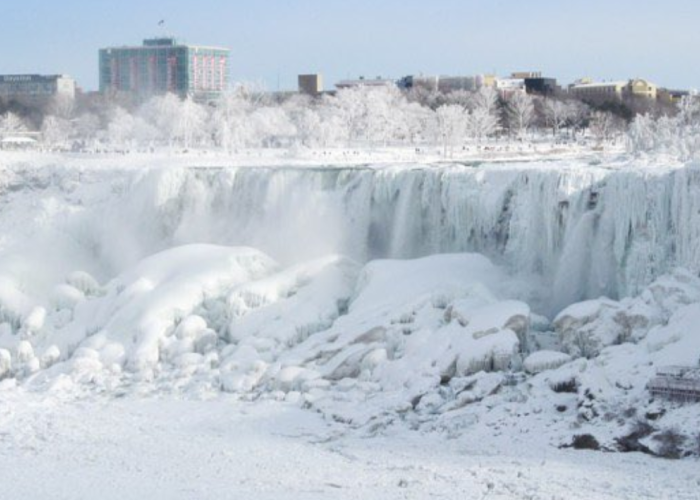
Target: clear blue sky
pixel 274 40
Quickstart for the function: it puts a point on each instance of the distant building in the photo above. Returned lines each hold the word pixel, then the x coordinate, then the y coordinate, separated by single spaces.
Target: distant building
pixel 429 83
pixel 311 84
pixel 672 96
pixel 541 86
pixel 163 65
pixel 364 82
pixel 487 81
pixel 36 88
pixel 524 75
pixel 535 83
pixel 443 84
pixel 506 87
pixel 606 91
pixel 447 84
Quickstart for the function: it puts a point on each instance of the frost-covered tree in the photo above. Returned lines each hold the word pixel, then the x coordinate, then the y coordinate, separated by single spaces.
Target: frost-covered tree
pixel 87 128
pixel 190 127
pixel 641 135
pixel 62 106
pixel 520 112
pixel 11 124
pixel 415 124
pixel 121 129
pixel 451 126
pixel 179 122
pixel 56 131
pixel 603 125
pixel 271 127
pixel 557 113
pixel 483 117
pixel 578 115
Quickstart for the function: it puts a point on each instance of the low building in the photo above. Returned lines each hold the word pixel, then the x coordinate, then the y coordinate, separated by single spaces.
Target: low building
pixel 365 82
pixel 310 84
pixel 615 90
pixel 541 86
pixel 409 82
pixel 535 83
pixel 524 75
pixel 670 96
pixel 36 88
pixel 487 81
pixel 447 84
pixel 18 143
pixel 443 83
pixel 641 88
pixel 506 87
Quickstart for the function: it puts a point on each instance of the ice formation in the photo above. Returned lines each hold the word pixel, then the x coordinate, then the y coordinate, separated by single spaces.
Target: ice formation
pixel 370 294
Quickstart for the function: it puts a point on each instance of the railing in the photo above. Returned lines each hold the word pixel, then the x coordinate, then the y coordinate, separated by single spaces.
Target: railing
pixel 678 383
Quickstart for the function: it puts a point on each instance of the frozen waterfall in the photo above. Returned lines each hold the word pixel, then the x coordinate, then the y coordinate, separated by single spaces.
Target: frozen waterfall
pixel 584 230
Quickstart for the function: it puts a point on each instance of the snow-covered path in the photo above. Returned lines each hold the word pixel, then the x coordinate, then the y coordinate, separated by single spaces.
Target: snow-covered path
pixel 170 448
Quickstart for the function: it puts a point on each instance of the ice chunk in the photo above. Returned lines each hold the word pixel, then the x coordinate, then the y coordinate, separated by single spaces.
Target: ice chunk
pixel 83 282
pixel 66 297
pixel 50 356
pixel 5 363
pixel 34 321
pixel 545 360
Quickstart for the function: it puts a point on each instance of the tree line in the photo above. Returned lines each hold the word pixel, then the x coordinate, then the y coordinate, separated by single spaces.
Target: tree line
pixel 353 118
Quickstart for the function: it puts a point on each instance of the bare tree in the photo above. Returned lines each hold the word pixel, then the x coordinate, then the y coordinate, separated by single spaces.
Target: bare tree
pixel 579 113
pixel 557 113
pixel 603 125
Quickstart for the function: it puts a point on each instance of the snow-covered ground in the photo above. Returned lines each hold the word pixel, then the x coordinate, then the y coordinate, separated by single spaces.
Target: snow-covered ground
pixel 169 448
pixel 360 330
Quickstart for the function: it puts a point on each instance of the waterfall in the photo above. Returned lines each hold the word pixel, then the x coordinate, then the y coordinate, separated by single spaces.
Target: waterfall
pixel 584 230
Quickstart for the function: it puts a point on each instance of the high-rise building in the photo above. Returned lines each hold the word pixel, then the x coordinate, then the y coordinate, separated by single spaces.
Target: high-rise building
pixel 163 65
pixel 36 88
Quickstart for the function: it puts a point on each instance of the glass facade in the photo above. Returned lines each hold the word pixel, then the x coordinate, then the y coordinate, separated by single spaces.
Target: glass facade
pixel 162 65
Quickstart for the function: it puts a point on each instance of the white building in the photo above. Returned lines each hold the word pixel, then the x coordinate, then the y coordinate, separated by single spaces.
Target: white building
pixel 509 86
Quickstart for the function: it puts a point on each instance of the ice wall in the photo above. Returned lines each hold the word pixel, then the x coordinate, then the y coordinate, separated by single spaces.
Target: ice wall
pixel 584 230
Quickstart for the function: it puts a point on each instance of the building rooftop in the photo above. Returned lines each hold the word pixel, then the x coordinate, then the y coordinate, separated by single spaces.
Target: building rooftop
pixel 365 82
pixel 599 84
pixel 159 42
